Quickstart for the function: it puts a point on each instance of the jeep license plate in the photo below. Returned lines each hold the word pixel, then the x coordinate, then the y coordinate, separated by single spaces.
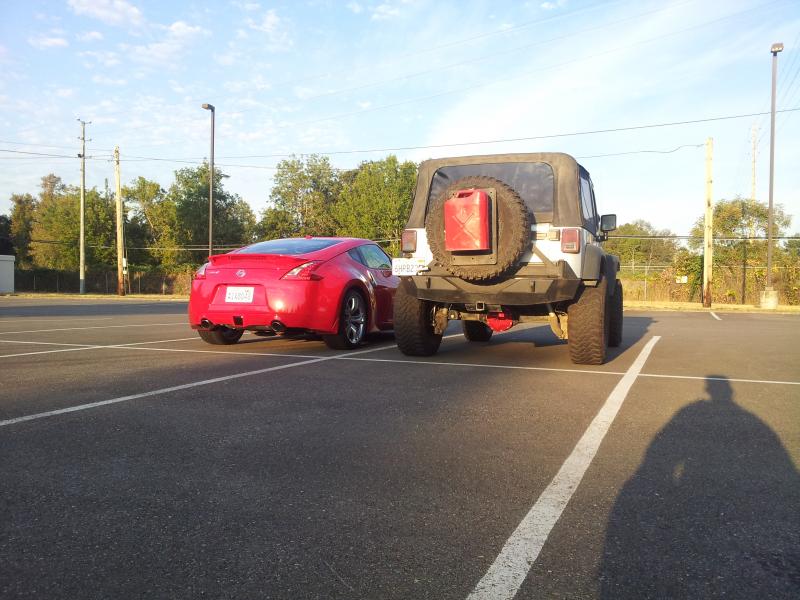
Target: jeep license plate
pixel 239 294
pixel 404 267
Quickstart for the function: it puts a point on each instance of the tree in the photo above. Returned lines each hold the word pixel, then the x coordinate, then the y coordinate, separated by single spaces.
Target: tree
pixel 642 251
pixel 56 230
pixel 305 191
pixel 23 209
pixel 233 220
pixel 6 247
pixel 156 217
pixel 377 202
pixel 741 217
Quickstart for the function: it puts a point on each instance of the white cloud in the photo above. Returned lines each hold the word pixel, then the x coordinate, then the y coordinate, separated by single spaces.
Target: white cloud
pixel 169 50
pixel 271 24
pixel 257 84
pixel 103 57
pixel 65 92
pixel 355 7
pixel 364 105
pixel 385 11
pixel 248 6
pixel 553 5
pixel 90 36
pixel 42 42
pixel 112 12
pixel 103 80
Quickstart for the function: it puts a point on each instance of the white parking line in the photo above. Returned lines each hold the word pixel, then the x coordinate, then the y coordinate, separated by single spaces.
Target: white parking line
pixel 715 315
pixel 78 347
pixel 510 568
pixel 174 388
pixel 184 323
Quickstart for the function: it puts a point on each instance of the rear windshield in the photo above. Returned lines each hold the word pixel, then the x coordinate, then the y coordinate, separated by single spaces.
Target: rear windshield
pixel 532 181
pixel 290 246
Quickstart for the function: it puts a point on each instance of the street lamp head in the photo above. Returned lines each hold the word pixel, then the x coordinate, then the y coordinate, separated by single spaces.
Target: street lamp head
pixel 776 47
pixel 211 106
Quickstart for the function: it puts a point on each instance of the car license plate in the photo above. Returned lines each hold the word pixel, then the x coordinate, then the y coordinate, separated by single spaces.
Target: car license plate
pixel 408 266
pixel 239 294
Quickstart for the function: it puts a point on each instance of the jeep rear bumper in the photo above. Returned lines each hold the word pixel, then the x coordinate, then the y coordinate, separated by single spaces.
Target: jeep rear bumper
pixel 519 291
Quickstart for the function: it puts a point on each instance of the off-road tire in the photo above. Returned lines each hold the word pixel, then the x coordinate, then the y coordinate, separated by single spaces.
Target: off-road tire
pixel 615 316
pixel 221 336
pixel 353 323
pixel 476 331
pixel 413 326
pixel 588 323
pixel 513 229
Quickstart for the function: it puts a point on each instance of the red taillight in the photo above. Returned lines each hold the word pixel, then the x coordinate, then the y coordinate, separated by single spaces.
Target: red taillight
pixel 408 241
pixel 304 272
pixel 201 272
pixel 571 241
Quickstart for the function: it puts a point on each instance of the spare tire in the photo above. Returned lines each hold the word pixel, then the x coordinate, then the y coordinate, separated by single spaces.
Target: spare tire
pixel 513 229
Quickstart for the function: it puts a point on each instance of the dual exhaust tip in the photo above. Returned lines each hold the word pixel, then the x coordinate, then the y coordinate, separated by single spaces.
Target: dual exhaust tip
pixel 276 325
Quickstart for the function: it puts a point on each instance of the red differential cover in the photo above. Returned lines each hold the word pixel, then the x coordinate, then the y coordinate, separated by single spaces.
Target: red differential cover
pixel 466 221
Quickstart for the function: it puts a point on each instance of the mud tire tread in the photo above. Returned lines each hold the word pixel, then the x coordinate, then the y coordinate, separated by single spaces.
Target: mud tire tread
pixel 615 317
pixel 412 328
pixel 588 326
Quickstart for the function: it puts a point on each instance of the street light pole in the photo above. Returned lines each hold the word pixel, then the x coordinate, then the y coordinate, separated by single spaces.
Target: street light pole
pixel 211 182
pixel 769 298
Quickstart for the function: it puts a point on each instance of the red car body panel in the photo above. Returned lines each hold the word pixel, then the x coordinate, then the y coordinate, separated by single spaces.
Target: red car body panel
pixel 313 305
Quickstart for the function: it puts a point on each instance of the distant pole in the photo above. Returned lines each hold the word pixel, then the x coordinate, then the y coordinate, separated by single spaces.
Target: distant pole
pixel 211 182
pixel 120 227
pixel 753 133
pixel 708 243
pixel 82 242
pixel 775 49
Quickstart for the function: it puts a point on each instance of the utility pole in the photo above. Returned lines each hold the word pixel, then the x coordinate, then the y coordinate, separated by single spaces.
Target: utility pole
pixel 120 230
pixel 708 243
pixel 82 156
pixel 211 182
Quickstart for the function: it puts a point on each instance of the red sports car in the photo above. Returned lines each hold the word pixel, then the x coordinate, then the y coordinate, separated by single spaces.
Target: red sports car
pixel 341 288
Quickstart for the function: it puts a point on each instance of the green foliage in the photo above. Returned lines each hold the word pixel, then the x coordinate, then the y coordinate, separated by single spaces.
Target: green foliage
pixel 233 221
pixel 6 247
pixel 741 217
pixel 305 190
pixel 642 251
pixel 23 208
pixel 377 202
pixel 56 230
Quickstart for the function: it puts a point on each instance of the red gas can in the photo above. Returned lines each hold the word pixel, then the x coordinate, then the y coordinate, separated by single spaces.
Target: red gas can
pixel 466 221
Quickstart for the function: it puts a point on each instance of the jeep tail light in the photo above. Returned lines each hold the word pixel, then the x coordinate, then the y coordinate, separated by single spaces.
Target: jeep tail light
pixel 304 272
pixel 201 272
pixel 408 241
pixel 571 241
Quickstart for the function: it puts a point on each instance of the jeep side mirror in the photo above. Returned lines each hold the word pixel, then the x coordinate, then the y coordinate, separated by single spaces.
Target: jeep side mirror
pixel 608 223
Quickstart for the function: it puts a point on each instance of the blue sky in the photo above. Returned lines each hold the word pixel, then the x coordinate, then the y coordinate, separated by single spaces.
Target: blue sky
pixel 336 77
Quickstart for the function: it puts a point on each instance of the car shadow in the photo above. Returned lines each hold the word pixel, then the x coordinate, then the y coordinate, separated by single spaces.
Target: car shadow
pixel 541 336
pixel 713 511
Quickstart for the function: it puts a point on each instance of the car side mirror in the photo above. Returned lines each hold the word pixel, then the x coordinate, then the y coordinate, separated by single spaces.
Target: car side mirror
pixel 608 223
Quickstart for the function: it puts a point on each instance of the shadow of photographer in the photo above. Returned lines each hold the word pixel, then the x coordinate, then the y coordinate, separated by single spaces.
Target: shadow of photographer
pixel 713 511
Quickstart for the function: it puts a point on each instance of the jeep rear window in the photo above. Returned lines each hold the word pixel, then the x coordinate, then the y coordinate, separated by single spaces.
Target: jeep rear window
pixel 291 246
pixel 532 181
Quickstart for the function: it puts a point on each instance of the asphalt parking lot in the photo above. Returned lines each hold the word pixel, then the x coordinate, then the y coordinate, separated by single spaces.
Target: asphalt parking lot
pixel 138 461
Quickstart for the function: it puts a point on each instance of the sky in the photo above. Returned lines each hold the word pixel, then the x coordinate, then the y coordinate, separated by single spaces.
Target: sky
pixel 361 79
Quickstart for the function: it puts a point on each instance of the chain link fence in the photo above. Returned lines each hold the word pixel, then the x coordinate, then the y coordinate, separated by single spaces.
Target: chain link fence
pixel 731 285
pixel 102 282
